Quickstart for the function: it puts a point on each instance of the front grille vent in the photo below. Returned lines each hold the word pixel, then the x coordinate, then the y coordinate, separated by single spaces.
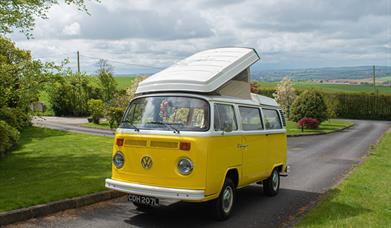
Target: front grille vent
pixel 135 142
pixel 162 144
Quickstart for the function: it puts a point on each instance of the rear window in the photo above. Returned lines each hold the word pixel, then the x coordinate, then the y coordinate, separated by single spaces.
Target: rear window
pixel 250 118
pixel 272 119
pixel 224 118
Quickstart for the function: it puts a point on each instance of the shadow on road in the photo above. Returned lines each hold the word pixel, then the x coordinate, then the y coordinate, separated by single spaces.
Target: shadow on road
pixel 251 206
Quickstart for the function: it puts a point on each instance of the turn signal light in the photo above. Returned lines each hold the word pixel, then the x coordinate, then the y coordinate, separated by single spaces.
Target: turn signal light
pixel 119 141
pixel 184 146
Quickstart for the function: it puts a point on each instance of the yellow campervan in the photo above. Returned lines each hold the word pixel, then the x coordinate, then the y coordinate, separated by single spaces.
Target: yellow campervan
pixel 194 132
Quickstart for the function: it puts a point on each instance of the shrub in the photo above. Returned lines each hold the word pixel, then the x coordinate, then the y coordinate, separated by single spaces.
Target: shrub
pixel 15 117
pixel 309 123
pixel 96 108
pixel 114 116
pixel 70 94
pixel 9 137
pixel 309 103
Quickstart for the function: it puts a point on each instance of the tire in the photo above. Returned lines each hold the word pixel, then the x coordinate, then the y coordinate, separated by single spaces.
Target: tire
pixel 142 207
pixel 271 185
pixel 224 205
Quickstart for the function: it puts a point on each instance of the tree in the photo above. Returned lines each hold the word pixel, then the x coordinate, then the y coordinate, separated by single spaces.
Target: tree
pixel 311 104
pixel 21 77
pixel 285 95
pixel 69 94
pixel 106 80
pixel 21 14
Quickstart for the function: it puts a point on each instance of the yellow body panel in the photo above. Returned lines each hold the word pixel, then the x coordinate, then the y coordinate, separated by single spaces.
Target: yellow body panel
pixel 212 157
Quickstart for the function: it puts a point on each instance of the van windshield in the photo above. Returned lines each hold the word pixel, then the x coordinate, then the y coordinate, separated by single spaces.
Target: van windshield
pixel 172 113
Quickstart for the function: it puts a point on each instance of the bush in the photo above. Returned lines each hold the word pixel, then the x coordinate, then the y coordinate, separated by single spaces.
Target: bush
pixel 309 103
pixel 70 94
pixel 15 117
pixel 309 123
pixel 114 116
pixel 96 108
pixel 9 137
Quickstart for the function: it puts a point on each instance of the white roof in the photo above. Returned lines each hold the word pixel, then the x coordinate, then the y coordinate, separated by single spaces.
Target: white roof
pixel 202 72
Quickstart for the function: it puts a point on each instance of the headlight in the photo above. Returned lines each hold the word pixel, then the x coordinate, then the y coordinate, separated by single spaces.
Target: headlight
pixel 118 160
pixel 185 166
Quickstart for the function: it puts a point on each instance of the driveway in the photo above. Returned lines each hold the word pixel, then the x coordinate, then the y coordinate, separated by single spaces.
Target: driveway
pixel 317 164
pixel 69 124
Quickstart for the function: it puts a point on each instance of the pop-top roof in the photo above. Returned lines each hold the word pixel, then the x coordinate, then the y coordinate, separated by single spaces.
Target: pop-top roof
pixel 202 72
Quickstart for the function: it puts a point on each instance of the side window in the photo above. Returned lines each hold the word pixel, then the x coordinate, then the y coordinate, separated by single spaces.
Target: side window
pixel 224 118
pixel 272 119
pixel 251 118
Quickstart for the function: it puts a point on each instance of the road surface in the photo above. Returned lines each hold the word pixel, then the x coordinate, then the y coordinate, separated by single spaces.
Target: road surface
pixel 317 164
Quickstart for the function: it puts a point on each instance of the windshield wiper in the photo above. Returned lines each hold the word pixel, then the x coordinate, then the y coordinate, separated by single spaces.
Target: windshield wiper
pixel 166 125
pixel 132 125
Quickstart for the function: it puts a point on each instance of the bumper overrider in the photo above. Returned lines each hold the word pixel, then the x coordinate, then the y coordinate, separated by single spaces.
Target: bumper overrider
pixel 159 192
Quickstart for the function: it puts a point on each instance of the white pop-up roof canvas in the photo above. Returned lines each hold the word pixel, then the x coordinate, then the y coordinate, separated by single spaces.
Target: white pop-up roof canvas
pixel 206 72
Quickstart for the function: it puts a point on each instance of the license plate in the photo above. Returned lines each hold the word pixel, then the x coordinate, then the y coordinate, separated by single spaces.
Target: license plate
pixel 146 200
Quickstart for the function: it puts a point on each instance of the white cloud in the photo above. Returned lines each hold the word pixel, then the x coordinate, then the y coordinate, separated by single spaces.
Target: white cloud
pixel 72 29
pixel 287 33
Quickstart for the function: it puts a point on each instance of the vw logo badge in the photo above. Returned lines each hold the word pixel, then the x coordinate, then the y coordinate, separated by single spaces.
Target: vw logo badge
pixel 146 162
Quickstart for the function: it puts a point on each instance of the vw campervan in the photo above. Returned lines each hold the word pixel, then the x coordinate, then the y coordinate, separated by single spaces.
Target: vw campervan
pixel 194 132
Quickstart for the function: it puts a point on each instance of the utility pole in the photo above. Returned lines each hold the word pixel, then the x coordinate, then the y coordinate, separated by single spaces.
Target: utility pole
pixel 78 62
pixel 374 77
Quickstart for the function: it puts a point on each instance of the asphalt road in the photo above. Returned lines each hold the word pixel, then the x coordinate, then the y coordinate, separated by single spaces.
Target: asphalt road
pixel 317 164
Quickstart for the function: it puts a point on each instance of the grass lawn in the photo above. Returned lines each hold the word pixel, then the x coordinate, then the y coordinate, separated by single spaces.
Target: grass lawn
pixel 325 127
pixel 52 165
pixel 363 199
pixel 102 125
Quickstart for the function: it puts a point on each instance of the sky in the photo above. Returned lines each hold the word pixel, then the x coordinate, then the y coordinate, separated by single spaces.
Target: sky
pixel 148 35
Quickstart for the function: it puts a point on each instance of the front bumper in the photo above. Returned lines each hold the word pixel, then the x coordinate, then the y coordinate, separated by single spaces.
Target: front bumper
pixel 159 192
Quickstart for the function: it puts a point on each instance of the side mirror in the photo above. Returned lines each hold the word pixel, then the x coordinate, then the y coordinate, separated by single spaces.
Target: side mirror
pixel 227 126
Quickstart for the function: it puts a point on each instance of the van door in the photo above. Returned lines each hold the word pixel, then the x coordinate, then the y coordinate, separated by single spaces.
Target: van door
pixel 255 144
pixel 223 152
pixel 276 138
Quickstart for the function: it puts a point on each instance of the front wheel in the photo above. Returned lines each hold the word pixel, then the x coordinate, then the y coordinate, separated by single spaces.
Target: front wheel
pixel 271 185
pixel 223 206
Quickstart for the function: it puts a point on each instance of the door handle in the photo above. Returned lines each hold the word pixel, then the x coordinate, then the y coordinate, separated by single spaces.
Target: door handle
pixel 242 145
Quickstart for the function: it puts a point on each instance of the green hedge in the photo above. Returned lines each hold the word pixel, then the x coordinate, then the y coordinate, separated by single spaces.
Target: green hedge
pixel 364 106
pixel 9 137
pixel 356 105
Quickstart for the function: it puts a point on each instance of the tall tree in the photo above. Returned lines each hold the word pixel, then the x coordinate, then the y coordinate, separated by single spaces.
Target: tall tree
pixel 285 95
pixel 106 80
pixel 21 14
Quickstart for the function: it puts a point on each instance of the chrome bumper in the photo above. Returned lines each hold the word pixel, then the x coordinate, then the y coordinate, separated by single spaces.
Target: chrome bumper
pixel 159 192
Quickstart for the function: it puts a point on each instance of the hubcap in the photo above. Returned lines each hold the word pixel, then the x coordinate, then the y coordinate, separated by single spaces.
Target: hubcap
pixel 227 199
pixel 275 180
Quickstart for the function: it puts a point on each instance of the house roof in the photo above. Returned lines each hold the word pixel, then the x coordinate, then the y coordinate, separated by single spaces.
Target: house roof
pixel 202 72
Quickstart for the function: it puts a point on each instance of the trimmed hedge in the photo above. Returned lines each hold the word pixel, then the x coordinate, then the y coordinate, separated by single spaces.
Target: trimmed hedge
pixel 355 105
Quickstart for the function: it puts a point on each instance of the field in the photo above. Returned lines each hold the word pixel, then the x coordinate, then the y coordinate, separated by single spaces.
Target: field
pixel 51 165
pixel 333 88
pixel 363 199
pixel 124 82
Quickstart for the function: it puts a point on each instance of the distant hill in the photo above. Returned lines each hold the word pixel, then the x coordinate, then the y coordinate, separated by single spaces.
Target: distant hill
pixel 326 73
